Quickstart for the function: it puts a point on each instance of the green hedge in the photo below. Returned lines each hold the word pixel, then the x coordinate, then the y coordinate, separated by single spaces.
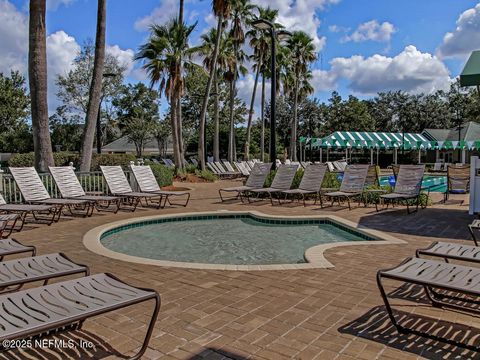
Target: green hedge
pixel 163 174
pixel 64 158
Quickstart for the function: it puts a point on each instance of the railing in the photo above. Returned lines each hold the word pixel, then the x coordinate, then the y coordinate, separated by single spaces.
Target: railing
pixel 92 182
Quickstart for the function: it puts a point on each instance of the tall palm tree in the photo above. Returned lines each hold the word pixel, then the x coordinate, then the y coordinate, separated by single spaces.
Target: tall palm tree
pixel 224 56
pixel 95 88
pixel 221 9
pixel 37 75
pixel 167 49
pixel 302 53
pixel 260 43
pixel 242 13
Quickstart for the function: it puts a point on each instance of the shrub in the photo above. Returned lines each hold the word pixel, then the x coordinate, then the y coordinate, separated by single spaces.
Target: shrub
pixel 190 169
pixel 163 174
pixel 331 181
pixel 206 175
pixel 111 160
pixel 28 159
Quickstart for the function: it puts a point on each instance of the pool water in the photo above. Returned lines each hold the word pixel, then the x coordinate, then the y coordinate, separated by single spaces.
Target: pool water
pixel 435 183
pixel 234 239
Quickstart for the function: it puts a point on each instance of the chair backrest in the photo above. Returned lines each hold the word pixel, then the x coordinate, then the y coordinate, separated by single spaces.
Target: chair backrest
pixel 243 168
pixel 29 183
pixel 67 182
pixel 372 176
pixel 331 168
pixel 228 166
pixel 284 177
pixel 116 180
pixel 340 165
pixel 2 200
pixel 458 177
pixel 219 167
pixel 395 170
pixel 409 179
pixel 437 166
pixel 212 168
pixel 145 178
pixel 313 177
pixel 258 175
pixel 354 178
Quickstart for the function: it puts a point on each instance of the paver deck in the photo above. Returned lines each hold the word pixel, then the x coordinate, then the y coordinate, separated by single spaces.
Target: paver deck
pixel 294 314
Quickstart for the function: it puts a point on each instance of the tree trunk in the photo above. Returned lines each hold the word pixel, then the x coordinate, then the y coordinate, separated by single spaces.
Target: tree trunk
pixel 173 123
pixel 216 117
pixel 262 114
pixel 95 88
pixel 37 75
pixel 250 113
pixel 231 134
pixel 293 140
pixel 181 149
pixel 203 114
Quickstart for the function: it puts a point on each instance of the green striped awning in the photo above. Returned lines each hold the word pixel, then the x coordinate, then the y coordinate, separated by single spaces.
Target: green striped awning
pixel 382 140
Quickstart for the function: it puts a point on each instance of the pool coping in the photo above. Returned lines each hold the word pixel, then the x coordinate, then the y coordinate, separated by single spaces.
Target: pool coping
pixel 314 255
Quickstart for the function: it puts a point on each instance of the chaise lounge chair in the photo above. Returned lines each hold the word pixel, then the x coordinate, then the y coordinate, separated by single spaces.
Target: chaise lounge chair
pixel 446 285
pixel 407 187
pixel 148 184
pixel 447 251
pixel 53 307
pixel 23 210
pixel 353 184
pixel 8 223
pixel 34 192
pixel 70 188
pixel 18 272
pixel 311 183
pixel 458 181
pixel 282 181
pixel 255 180
pixel 13 247
pixel 119 186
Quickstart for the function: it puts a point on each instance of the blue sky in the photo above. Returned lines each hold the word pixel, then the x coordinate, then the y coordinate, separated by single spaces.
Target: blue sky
pixel 364 46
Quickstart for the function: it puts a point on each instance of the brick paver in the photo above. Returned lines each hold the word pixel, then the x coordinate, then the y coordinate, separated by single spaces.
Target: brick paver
pixel 293 314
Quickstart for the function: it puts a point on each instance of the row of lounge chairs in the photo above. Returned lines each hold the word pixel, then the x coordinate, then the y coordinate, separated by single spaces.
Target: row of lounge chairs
pixel 446 285
pixel 60 306
pixel 357 179
pixel 43 208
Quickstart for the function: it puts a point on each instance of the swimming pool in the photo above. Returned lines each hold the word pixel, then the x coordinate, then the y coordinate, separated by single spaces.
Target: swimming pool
pixel 435 183
pixel 241 239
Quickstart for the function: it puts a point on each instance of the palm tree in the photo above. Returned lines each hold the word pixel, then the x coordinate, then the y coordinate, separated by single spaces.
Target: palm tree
pixel 242 12
pixel 95 88
pixel 260 43
pixel 302 53
pixel 164 53
pixel 221 9
pixel 37 74
pixel 224 57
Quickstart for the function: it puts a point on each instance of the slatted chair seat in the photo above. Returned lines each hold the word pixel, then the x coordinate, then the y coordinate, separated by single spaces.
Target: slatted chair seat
pixel 148 184
pixel 255 180
pixel 446 285
pixel 119 186
pixel 70 188
pixel 311 183
pixel 282 181
pixel 10 247
pixel 34 192
pixel 35 311
pixel 452 251
pixel 30 269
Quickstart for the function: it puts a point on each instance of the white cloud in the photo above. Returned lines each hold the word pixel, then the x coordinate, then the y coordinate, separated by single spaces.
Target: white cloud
pixel 373 31
pixel 54 4
pixel 245 89
pixel 323 80
pixel 14 38
pixel 465 38
pixel 300 15
pixel 124 57
pixel 410 70
pixel 159 15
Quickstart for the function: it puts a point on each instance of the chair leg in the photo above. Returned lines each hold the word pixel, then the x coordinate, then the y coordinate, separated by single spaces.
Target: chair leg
pixel 148 335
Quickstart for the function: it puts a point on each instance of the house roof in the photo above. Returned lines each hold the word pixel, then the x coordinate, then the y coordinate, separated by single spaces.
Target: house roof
pixel 469 132
pixel 123 144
